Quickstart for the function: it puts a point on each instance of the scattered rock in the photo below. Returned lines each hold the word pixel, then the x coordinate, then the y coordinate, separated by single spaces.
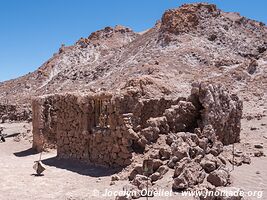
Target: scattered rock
pixel 155 176
pixel 187 174
pixel 172 162
pixel 137 170
pixel 124 197
pixel 115 178
pixel 180 150
pixel 258 146
pixel 246 159
pixel 156 164
pixel 165 153
pixel 219 177
pixel 150 133
pixel 252 67
pixel 210 163
pixel 141 181
pixel 258 153
pixel 163 170
pixel 217 148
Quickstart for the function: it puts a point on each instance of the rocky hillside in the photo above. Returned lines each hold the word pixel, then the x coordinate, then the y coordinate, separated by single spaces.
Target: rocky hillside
pixel 190 43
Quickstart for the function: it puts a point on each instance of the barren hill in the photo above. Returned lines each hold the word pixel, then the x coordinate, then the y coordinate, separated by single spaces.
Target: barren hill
pixel 190 43
pixel 118 97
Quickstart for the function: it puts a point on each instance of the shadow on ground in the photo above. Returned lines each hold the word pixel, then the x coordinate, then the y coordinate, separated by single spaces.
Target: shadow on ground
pixel 80 168
pixel 27 152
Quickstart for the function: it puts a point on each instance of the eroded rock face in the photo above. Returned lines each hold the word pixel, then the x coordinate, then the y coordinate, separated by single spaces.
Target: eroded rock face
pixel 187 17
pixel 219 109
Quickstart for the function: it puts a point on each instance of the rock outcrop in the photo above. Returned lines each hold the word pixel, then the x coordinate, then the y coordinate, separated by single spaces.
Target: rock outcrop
pixel 187 17
pixel 220 110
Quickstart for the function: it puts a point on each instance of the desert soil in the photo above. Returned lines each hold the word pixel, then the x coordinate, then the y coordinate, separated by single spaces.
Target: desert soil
pixel 65 180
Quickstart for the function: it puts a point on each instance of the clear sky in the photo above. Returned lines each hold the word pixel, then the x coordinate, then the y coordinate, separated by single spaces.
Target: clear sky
pixel 32 30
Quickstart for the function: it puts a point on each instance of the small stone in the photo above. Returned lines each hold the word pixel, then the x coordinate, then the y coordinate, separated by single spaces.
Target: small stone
pixel 237 161
pixel 258 153
pixel 172 162
pixel 257 172
pixel 138 169
pixel 209 163
pixel 156 164
pixel 115 178
pixel 163 170
pixel 133 190
pixel 222 159
pixel 217 148
pixel 141 181
pixel 165 153
pixel 220 177
pixel 258 146
pixel 124 197
pixel 246 159
pixel 252 67
pixel 180 150
pixel 187 174
pixel 156 176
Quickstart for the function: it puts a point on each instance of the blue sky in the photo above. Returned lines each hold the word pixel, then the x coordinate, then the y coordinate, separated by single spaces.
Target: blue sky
pixel 32 30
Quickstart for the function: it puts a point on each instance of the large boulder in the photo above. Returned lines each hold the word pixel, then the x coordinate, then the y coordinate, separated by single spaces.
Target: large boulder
pixel 187 17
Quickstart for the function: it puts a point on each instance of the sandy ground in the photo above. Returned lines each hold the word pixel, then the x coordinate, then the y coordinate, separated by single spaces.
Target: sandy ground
pixel 62 180
pixel 66 180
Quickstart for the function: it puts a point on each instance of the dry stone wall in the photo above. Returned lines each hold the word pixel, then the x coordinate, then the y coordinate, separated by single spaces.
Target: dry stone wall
pixel 106 128
pixel 97 128
pixel 10 112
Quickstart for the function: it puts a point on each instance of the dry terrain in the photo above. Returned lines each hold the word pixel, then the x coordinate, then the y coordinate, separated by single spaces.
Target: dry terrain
pixel 193 43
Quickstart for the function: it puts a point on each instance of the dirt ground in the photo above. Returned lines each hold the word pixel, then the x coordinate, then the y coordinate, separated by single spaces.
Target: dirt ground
pixel 65 180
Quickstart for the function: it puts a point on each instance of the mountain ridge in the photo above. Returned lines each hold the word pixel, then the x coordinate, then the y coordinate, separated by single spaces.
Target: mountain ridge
pixel 194 42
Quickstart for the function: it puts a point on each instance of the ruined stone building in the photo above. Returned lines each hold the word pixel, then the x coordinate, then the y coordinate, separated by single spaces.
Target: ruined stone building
pixel 107 128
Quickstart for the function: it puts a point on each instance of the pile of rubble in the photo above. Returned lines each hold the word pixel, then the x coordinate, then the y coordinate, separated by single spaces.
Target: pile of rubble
pixel 213 117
